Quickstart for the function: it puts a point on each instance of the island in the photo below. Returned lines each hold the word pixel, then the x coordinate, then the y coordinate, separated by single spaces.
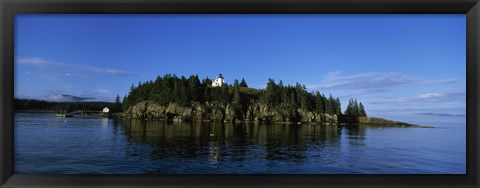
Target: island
pixel 173 98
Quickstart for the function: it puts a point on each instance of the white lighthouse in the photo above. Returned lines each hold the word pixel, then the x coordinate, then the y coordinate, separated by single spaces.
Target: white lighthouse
pixel 218 81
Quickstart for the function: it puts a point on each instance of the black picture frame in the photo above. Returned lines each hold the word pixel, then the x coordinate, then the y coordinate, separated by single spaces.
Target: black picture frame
pixel 9 8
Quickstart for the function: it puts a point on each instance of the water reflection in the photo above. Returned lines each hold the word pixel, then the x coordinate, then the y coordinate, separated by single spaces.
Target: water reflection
pixel 219 142
pixel 104 122
pixel 213 152
pixel 93 145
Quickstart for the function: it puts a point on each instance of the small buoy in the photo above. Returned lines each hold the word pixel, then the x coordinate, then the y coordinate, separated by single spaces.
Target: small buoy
pixel 212 134
pixel 65 121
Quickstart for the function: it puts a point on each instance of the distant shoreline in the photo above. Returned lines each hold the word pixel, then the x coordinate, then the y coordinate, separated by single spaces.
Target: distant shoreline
pixel 35 111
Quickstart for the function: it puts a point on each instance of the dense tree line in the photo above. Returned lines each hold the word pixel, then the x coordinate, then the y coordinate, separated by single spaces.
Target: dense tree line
pixel 62 107
pixel 186 91
pixel 354 109
pixel 297 97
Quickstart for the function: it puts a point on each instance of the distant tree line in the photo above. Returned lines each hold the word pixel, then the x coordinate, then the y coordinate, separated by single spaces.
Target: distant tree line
pixel 63 107
pixel 186 91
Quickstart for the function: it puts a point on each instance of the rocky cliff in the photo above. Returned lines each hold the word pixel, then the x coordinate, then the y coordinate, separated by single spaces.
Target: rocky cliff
pixel 224 113
pixel 255 113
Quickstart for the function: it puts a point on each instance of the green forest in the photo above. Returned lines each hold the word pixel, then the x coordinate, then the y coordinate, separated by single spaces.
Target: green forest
pixel 63 107
pixel 188 91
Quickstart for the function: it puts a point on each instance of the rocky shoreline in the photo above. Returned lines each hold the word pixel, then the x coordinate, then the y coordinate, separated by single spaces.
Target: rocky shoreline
pixel 257 113
pixel 223 113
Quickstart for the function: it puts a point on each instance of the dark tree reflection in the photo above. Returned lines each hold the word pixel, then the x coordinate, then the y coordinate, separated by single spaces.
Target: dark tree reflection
pixel 219 142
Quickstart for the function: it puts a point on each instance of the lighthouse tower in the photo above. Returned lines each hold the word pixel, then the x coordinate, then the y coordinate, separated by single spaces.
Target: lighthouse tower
pixel 218 81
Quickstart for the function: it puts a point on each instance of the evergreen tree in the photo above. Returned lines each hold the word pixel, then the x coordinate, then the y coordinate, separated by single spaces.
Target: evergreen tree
pixel 236 101
pixel 354 109
pixel 307 101
pixel 194 88
pixel 125 104
pixel 269 97
pixel 283 94
pixel 338 105
pixel 293 100
pixel 319 103
pixel 362 110
pixel 118 105
pixel 331 106
pixel 235 83
pixel 180 96
pixel 243 83
pixel 349 111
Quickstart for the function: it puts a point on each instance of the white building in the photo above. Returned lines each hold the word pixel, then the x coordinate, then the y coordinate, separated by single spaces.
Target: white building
pixel 106 110
pixel 218 81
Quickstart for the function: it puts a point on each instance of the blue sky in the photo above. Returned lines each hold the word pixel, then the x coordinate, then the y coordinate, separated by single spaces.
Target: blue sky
pixel 402 67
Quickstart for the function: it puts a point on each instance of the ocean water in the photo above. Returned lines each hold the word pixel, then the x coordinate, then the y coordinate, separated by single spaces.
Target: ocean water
pixel 45 144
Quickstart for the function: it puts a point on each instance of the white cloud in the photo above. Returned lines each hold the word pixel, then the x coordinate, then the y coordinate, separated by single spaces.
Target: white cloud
pixel 423 98
pixel 35 61
pixel 99 91
pixel 430 95
pixel 453 95
pixel 372 81
pixel 364 81
pixel 103 91
pixel 442 114
pixel 108 71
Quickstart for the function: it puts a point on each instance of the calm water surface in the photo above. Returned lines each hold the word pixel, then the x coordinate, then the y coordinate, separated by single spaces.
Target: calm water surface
pixel 52 145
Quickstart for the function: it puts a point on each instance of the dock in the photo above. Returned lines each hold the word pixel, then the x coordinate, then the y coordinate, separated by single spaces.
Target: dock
pixel 85 113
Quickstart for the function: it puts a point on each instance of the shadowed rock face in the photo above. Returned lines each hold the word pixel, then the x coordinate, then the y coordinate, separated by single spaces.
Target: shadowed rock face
pixel 224 112
pixel 216 112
